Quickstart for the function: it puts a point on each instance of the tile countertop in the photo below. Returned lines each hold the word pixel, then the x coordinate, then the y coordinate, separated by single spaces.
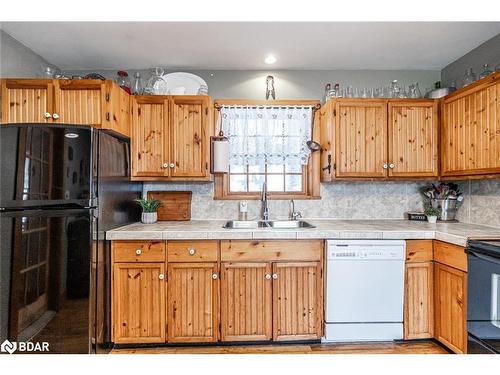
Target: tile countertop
pixel 455 233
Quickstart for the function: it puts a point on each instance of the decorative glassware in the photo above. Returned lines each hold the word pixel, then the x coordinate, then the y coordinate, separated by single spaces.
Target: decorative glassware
pixel 156 74
pixel 203 90
pixel 469 77
pixel 138 87
pixel 123 80
pixel 414 91
pixel 486 71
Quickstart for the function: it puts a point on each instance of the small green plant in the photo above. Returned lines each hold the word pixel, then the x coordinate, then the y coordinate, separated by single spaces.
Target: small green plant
pixel 148 205
pixel 430 211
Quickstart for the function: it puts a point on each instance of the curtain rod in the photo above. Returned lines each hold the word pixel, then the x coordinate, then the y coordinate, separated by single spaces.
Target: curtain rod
pixel 219 107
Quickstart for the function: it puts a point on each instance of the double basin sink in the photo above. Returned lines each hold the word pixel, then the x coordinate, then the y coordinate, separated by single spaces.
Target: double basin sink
pixel 273 224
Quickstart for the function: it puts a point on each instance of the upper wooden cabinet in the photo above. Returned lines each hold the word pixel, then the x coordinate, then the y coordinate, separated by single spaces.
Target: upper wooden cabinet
pixel 471 129
pixel 96 103
pixel 171 136
pixel 379 138
pixel 413 138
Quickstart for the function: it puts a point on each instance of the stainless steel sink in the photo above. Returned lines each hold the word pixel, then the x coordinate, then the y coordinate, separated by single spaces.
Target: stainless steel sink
pixel 274 224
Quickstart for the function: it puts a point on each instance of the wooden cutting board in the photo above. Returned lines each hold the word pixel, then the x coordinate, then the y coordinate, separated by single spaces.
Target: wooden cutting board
pixel 175 205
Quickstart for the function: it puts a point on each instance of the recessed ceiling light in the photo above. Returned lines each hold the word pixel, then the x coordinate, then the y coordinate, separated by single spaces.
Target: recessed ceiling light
pixel 270 59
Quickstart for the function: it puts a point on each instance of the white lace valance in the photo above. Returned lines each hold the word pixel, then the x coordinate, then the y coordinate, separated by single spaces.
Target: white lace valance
pixel 272 135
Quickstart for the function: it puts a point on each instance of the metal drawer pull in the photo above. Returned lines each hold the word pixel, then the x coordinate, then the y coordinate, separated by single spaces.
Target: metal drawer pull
pixel 165 165
pixel 391 166
pixel 275 276
pixel 47 115
pixel 268 276
pixel 385 166
pixel 192 251
pixel 138 252
pixel 214 276
pixel 161 276
pixel 172 165
pixel 55 116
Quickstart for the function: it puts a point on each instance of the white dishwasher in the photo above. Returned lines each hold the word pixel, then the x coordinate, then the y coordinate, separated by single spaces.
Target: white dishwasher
pixel 364 290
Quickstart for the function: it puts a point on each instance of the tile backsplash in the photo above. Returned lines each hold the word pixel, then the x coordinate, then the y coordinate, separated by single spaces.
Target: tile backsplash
pixel 350 200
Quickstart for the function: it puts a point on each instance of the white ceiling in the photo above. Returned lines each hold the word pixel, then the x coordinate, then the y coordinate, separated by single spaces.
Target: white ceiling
pixel 228 46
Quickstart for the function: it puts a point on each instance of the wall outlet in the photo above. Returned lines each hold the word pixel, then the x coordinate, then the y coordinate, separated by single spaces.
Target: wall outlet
pixel 243 206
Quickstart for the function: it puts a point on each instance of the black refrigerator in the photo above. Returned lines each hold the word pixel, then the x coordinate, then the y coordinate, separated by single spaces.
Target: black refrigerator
pixel 62 188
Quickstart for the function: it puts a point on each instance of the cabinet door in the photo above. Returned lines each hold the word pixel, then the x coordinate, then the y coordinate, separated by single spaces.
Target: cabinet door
pixel 246 301
pixel 361 138
pixel 471 133
pixel 297 301
pixel 413 138
pixel 450 296
pixel 150 137
pixel 138 302
pixel 79 102
pixel 419 301
pixel 189 136
pixel 192 302
pixel 27 100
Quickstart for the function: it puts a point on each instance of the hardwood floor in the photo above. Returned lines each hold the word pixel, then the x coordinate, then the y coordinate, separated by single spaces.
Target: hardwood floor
pixel 416 347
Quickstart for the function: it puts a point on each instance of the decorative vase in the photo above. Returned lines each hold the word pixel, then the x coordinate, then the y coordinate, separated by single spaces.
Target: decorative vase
pixel 149 217
pixel 432 219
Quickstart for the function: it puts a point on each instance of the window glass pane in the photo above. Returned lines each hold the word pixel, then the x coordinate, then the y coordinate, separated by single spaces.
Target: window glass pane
pixel 237 169
pixel 275 182
pixel 293 167
pixel 257 167
pixel 271 168
pixel 255 182
pixel 237 182
pixel 293 182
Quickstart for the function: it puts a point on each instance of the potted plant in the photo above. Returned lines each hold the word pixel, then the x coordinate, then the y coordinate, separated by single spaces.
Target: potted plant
pixel 432 214
pixel 149 208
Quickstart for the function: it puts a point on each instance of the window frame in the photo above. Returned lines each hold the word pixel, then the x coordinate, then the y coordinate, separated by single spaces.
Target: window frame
pixel 310 172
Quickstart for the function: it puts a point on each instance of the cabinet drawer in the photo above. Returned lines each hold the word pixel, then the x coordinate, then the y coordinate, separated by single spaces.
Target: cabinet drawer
pixel 419 251
pixel 138 251
pixel 450 255
pixel 192 251
pixel 264 251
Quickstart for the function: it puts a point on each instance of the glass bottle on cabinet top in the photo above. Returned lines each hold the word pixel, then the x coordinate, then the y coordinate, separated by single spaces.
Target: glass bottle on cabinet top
pixel 486 71
pixel 123 80
pixel 469 77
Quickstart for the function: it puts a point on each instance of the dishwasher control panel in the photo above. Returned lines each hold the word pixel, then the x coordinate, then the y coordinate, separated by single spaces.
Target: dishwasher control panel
pixel 366 251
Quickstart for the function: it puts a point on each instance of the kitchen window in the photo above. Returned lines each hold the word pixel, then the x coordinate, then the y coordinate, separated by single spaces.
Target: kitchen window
pixel 267 143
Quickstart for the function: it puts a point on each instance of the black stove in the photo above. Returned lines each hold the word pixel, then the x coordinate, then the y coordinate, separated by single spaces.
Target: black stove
pixel 483 296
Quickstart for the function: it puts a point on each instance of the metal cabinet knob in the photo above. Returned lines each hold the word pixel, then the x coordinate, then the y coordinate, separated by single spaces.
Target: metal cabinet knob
pixel 192 251
pixel 275 276
pixel 214 276
pixel 165 165
pixel 55 116
pixel 268 276
pixel 138 252
pixel 391 166
pixel 385 166
pixel 47 115
pixel 161 276
pixel 172 165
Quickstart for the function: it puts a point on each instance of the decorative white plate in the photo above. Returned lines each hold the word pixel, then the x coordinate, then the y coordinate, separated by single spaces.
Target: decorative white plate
pixel 190 81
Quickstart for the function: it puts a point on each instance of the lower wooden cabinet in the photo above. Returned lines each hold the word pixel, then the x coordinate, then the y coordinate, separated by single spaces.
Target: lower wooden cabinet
pixel 297 301
pixel 419 304
pixel 450 296
pixel 246 301
pixel 193 302
pixel 138 311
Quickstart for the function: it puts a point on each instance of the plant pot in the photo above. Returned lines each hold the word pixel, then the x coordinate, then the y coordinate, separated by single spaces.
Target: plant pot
pixel 149 217
pixel 432 219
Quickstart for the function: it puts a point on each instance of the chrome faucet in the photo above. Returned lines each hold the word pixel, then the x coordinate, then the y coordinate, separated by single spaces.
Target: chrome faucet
pixel 294 215
pixel 264 211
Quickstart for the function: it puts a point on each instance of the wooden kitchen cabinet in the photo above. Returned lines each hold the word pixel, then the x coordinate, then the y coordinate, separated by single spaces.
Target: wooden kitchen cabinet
pixel 297 301
pixel 470 132
pixel 138 308
pixel 450 296
pixel 246 301
pixel 418 319
pixel 193 291
pixel 413 138
pixel 170 139
pixel 96 103
pixel 360 133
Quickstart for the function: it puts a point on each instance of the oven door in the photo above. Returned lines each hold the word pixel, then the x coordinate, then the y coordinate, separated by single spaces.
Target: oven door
pixel 483 301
